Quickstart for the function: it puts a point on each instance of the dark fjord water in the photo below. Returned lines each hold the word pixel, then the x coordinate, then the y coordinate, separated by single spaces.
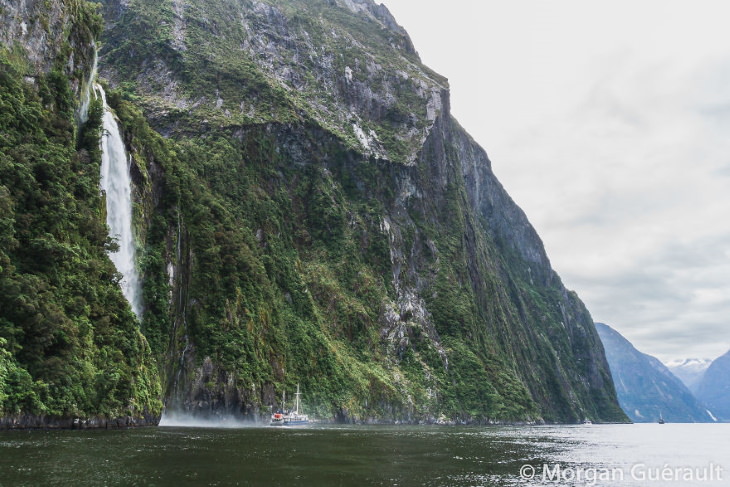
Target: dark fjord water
pixel 635 455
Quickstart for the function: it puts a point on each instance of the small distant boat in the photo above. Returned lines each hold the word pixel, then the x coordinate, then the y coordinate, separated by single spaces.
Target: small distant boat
pixel 277 419
pixel 587 421
pixel 295 418
pixel 661 419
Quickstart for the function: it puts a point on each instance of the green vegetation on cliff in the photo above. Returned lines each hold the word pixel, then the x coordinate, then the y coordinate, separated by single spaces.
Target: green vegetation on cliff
pixel 307 212
pixel 283 275
pixel 69 345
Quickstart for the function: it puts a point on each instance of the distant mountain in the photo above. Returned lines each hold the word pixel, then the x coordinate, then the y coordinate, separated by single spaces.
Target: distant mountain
pixel 690 371
pixel 646 388
pixel 714 389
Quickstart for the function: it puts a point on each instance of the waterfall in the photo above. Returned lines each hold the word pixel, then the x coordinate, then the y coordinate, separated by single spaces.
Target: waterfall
pixel 116 183
pixel 82 113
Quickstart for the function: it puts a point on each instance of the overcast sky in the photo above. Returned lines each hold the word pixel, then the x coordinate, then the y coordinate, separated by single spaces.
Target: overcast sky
pixel 609 124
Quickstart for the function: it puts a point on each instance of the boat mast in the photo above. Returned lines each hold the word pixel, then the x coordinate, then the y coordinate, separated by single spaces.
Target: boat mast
pixel 296 411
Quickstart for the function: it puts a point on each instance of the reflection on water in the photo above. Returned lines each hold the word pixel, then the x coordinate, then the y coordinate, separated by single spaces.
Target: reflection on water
pixel 366 455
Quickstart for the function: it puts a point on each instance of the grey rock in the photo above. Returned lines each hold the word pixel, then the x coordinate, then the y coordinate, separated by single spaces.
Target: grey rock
pixel 714 388
pixel 646 389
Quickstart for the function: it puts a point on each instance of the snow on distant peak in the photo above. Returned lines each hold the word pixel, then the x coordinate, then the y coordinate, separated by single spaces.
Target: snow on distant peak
pixel 689 363
pixel 689 370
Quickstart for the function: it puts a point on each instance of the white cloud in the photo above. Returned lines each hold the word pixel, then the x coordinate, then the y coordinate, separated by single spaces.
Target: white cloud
pixel 608 125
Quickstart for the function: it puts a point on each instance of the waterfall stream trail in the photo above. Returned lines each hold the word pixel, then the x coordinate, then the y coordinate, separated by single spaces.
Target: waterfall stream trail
pixel 116 183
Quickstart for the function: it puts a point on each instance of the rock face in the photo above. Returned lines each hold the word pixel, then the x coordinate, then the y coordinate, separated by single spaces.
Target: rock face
pixel 714 388
pixel 309 212
pixel 42 29
pixel 398 236
pixel 646 389
pixel 32 421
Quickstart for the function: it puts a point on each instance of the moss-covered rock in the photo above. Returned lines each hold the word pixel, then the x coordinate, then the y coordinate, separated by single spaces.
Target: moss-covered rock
pixel 319 218
pixel 308 213
pixel 70 349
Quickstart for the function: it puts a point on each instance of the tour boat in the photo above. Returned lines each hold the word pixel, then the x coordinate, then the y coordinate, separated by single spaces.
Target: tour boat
pixel 295 418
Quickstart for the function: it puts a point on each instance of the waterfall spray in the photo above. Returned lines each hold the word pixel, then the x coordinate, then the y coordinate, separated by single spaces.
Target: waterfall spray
pixel 116 183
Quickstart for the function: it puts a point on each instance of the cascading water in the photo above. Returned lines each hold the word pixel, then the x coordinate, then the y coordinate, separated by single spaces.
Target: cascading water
pixel 82 114
pixel 116 183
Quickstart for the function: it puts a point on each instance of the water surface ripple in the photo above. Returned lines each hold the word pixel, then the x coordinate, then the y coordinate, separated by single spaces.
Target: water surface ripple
pixel 370 455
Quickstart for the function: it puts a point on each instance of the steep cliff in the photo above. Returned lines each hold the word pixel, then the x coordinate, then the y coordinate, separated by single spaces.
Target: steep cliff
pixel 647 390
pixel 52 35
pixel 71 353
pixel 308 211
pixel 341 229
pixel 714 388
